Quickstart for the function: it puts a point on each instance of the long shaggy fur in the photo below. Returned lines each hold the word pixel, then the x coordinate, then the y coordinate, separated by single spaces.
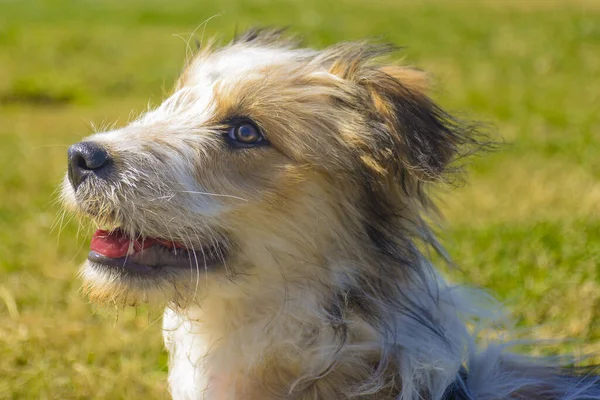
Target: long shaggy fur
pixel 325 290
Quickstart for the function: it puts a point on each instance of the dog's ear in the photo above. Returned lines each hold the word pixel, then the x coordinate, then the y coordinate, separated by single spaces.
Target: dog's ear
pixel 424 139
pixel 410 132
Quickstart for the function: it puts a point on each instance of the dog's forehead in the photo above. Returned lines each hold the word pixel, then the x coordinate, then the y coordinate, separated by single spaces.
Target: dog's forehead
pixel 230 66
pixel 238 61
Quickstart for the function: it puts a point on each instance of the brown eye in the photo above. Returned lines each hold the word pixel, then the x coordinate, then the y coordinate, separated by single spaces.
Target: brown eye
pixel 245 133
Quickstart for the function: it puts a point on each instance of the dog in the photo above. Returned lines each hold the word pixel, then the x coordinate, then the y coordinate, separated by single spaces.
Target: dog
pixel 278 205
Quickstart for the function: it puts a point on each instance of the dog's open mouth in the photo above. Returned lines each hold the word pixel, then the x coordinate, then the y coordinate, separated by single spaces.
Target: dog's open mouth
pixel 116 249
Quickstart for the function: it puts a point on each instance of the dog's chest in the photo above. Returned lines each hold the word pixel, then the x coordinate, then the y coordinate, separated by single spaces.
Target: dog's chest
pixel 188 347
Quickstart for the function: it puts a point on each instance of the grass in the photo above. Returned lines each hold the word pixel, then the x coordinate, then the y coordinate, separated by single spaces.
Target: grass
pixel 527 227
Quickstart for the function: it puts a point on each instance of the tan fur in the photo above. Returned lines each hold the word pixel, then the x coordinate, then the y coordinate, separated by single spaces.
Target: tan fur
pixel 323 291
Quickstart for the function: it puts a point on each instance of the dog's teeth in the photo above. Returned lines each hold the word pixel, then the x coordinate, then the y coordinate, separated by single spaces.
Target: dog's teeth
pixel 131 250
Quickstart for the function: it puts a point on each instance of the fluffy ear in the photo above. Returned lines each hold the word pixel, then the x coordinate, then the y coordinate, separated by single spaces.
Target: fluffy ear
pixel 411 133
pixel 425 138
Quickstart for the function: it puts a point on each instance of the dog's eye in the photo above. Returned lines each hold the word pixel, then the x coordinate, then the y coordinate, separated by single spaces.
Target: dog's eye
pixel 245 133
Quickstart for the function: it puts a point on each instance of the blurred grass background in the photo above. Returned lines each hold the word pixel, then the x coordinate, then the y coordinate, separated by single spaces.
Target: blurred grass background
pixel 527 227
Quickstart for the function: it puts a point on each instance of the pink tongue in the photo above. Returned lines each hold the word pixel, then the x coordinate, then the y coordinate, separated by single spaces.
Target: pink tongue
pixel 115 244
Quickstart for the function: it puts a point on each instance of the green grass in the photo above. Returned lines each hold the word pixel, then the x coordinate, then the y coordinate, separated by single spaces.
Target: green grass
pixel 527 227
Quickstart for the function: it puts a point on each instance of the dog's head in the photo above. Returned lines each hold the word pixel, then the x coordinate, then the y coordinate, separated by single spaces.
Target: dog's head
pixel 264 152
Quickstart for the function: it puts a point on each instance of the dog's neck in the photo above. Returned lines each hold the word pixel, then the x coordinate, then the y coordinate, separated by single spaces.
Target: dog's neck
pixel 234 338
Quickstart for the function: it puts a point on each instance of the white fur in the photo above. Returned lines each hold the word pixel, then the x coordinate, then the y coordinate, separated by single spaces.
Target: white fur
pixel 216 339
pixel 188 346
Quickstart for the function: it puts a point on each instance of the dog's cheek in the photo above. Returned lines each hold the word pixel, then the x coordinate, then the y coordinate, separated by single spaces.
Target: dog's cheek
pixel 239 179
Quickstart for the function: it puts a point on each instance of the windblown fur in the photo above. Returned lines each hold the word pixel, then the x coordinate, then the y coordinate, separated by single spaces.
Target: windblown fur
pixel 325 290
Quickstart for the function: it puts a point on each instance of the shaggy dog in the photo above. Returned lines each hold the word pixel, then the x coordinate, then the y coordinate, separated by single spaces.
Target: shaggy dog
pixel 277 204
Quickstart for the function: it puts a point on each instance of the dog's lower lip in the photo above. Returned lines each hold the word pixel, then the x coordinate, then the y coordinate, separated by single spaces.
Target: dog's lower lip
pixel 120 263
pixel 157 258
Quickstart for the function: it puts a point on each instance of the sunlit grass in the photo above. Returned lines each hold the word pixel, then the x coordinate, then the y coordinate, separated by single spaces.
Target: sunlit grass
pixel 527 227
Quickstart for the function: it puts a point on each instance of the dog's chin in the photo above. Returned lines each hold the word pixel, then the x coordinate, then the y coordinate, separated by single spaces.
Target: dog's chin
pixel 126 282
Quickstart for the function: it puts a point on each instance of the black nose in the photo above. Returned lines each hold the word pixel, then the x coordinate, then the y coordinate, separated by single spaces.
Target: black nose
pixel 85 159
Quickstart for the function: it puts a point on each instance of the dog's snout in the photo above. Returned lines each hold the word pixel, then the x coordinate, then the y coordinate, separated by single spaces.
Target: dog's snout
pixel 85 159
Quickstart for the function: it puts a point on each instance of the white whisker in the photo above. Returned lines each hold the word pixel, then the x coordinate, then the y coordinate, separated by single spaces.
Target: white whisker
pixel 212 194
